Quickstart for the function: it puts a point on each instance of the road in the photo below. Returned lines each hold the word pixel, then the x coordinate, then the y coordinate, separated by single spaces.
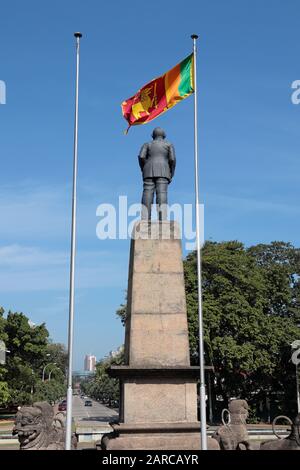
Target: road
pixel 90 416
pixel 96 412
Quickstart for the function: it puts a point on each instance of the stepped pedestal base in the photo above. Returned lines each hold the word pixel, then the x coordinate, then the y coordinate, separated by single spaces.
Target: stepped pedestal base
pixel 163 436
pixel 158 405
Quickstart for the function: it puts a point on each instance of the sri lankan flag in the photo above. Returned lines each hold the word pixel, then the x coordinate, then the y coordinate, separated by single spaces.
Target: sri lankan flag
pixel 160 94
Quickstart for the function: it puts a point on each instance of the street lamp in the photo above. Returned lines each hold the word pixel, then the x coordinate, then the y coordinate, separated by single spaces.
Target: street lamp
pixel 49 364
pixel 32 379
pixel 43 376
pixel 49 376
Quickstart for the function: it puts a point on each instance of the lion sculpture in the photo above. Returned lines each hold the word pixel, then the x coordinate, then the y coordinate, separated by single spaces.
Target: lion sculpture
pixel 38 429
pixel 234 435
pixel 291 442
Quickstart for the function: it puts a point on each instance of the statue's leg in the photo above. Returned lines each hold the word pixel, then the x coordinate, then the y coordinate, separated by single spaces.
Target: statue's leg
pixel 162 197
pixel 147 199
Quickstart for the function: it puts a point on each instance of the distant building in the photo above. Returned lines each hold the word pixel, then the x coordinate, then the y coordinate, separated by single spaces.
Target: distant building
pixel 90 363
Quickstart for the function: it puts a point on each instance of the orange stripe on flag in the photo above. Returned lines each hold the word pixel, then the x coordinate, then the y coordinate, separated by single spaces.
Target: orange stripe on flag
pixel 172 81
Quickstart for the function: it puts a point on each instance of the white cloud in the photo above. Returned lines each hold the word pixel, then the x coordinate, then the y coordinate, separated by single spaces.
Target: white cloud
pixel 35 239
pixel 28 211
pixel 23 256
pixel 24 268
pixel 43 213
pixel 32 212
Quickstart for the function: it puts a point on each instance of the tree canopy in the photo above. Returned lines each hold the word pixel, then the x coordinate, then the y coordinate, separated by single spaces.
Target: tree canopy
pixel 29 351
pixel 250 315
pixel 102 386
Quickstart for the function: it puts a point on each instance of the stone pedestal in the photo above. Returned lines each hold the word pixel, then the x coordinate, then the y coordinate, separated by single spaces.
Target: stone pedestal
pixel 158 408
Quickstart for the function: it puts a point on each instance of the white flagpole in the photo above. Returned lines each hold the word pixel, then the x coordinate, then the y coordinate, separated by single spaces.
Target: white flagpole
pixel 197 204
pixel 72 262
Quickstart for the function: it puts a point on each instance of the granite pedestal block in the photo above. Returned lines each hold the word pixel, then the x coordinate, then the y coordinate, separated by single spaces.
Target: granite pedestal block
pixel 158 408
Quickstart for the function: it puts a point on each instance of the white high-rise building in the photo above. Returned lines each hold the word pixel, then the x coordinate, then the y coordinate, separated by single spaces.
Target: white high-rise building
pixel 90 363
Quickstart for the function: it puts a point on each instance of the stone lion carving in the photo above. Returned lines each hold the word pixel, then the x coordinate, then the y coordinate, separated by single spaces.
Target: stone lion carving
pixel 234 435
pixel 38 429
pixel 292 442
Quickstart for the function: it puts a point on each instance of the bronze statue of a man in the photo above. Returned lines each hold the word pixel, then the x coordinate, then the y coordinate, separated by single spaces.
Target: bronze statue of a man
pixel 157 162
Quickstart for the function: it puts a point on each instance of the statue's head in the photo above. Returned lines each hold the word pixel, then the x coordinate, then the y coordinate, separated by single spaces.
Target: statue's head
pixel 158 132
pixel 239 410
pixel 31 421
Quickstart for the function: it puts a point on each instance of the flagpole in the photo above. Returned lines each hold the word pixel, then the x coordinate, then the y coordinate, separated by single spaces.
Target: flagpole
pixel 72 261
pixel 197 204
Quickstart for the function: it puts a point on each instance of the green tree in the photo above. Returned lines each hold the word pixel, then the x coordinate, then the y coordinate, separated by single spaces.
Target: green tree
pixel 102 386
pixel 4 393
pixel 121 312
pixel 249 313
pixel 50 390
pixel 58 355
pixel 26 341
pixel 280 264
pixel 28 348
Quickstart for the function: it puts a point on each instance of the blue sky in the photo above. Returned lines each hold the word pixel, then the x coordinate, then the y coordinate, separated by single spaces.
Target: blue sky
pixel 248 140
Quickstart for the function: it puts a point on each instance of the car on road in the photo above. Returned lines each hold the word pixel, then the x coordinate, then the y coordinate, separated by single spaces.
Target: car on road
pixel 62 406
pixel 88 403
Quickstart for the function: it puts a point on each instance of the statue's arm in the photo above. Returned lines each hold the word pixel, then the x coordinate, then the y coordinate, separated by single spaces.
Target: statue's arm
pixel 143 155
pixel 172 159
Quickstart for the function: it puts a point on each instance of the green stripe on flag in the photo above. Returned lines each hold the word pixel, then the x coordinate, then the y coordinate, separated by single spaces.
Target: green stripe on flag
pixel 185 86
